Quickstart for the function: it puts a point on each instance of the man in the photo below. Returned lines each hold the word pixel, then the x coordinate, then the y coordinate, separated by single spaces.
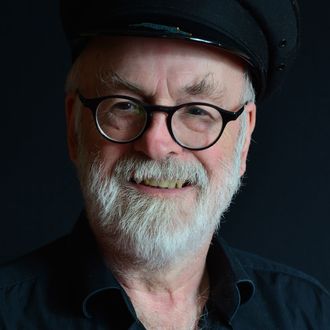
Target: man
pixel 160 110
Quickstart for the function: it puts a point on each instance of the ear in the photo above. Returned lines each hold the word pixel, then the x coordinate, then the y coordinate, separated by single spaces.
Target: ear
pixel 251 112
pixel 72 139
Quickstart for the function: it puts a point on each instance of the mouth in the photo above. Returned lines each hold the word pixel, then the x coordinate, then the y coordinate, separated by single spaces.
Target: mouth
pixel 162 184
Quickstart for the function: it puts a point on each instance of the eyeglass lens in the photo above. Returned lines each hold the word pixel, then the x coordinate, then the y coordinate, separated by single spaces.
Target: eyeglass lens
pixel 120 119
pixel 196 126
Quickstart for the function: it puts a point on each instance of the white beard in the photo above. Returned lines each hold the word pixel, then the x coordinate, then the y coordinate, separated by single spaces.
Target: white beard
pixel 156 232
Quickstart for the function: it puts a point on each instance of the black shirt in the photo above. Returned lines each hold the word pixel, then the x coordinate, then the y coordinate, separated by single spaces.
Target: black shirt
pixel 66 285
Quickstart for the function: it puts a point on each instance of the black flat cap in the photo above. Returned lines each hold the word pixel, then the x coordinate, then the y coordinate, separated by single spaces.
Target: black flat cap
pixel 264 33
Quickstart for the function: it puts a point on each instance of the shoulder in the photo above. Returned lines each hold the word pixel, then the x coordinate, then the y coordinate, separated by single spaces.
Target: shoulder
pixel 286 294
pixel 39 289
pixel 34 265
pixel 258 266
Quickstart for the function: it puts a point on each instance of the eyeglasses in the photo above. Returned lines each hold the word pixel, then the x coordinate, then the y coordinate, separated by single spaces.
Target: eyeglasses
pixel 194 125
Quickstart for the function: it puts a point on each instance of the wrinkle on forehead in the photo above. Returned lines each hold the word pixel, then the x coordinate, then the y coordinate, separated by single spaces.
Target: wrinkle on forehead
pixel 164 77
pixel 206 87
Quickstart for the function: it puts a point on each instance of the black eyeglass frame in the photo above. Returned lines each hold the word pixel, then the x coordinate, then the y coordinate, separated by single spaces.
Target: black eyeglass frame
pixel 93 103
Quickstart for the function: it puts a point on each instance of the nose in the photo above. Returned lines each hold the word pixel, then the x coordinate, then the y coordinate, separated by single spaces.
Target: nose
pixel 156 142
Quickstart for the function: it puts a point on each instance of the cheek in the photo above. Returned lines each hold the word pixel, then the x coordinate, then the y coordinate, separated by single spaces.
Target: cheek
pixel 95 145
pixel 110 152
pixel 221 153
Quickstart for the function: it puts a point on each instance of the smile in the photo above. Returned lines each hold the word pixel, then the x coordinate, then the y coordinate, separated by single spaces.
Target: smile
pixel 164 184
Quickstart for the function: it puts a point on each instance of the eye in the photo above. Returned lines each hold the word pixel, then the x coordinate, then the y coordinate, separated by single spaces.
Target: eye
pixel 200 112
pixel 122 107
pixel 125 106
pixel 196 117
pixel 197 111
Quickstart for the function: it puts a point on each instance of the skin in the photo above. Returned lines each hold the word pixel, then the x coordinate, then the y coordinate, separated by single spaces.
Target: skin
pixel 161 72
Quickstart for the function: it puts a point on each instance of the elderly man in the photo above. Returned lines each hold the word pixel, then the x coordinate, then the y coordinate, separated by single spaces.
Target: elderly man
pixel 160 110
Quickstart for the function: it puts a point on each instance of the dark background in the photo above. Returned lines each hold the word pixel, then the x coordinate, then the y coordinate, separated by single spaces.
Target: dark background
pixel 282 212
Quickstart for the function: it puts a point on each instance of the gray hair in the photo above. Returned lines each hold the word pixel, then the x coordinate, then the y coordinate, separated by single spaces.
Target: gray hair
pixel 248 95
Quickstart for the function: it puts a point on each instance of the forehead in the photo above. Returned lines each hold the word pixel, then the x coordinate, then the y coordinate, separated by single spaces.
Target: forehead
pixel 155 63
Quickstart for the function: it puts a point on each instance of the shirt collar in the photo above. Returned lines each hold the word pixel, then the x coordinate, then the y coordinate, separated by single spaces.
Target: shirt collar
pixel 230 285
pixel 95 279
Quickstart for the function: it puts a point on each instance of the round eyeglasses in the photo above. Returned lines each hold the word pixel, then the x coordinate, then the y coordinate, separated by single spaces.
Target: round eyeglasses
pixel 194 125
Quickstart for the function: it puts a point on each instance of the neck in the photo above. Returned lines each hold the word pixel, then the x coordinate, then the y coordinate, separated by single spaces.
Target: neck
pixel 172 296
pixel 173 301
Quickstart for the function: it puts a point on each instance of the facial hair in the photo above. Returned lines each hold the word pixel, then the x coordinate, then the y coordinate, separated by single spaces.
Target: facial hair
pixel 156 232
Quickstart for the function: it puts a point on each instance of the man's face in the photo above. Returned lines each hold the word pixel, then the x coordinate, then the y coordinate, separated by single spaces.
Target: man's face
pixel 163 72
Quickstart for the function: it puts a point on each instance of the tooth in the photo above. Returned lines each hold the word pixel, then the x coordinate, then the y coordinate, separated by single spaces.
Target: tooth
pixel 179 184
pixel 154 183
pixel 171 184
pixel 151 182
pixel 166 184
pixel 162 183
pixel 146 182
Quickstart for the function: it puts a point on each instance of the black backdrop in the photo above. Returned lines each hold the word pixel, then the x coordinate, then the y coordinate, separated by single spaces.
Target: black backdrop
pixel 283 209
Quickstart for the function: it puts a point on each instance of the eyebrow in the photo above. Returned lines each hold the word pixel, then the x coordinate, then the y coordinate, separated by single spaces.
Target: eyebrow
pixel 113 81
pixel 205 87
